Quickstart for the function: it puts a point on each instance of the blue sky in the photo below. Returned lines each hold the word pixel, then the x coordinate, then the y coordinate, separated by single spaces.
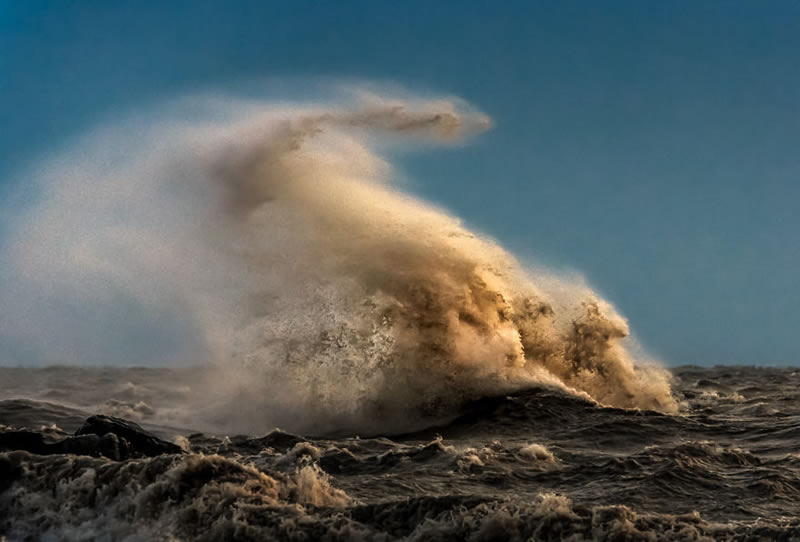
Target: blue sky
pixel 650 145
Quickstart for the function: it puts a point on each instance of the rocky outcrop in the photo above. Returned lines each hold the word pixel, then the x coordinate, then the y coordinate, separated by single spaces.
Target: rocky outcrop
pixel 99 436
pixel 139 441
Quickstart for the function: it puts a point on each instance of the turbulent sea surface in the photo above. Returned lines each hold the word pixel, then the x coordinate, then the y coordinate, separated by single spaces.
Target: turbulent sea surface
pixel 538 464
pixel 426 383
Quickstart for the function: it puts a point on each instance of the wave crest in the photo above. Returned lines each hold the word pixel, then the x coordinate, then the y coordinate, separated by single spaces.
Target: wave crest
pixel 330 298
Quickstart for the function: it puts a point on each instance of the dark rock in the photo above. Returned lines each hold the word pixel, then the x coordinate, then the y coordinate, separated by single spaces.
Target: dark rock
pixel 36 443
pixel 139 441
pixel 29 441
pixel 114 447
pixel 83 445
pixel 105 436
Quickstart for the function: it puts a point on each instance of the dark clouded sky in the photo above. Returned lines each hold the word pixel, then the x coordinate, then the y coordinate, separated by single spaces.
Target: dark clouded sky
pixel 653 146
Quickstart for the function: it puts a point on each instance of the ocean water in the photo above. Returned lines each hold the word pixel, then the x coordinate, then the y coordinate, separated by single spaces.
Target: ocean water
pixel 427 384
pixel 541 463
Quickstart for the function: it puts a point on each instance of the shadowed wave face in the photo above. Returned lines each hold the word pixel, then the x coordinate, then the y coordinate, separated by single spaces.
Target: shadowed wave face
pixel 329 299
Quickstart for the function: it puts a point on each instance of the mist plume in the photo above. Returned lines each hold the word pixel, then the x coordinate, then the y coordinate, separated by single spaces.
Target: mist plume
pixel 277 237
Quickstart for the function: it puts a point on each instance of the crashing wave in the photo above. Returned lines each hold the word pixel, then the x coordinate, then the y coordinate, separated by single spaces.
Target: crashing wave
pixel 329 298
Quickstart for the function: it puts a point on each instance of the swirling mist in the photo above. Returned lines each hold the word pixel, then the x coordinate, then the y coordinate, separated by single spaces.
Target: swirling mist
pixel 272 240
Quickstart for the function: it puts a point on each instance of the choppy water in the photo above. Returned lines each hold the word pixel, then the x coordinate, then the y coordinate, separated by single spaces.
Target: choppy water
pixel 539 464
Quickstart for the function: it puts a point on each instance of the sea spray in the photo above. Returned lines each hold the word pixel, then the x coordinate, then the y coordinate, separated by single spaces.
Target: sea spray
pixel 278 238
